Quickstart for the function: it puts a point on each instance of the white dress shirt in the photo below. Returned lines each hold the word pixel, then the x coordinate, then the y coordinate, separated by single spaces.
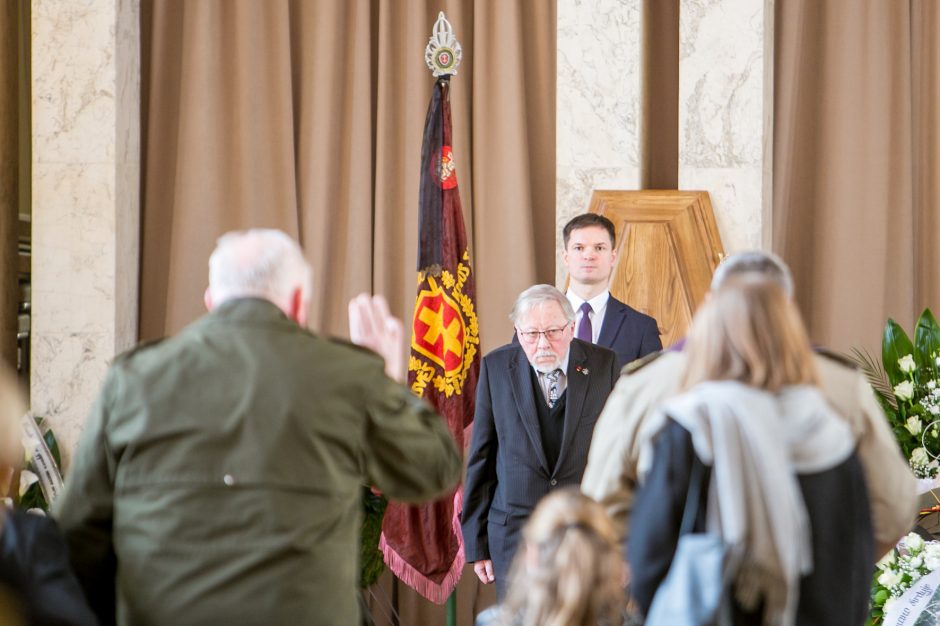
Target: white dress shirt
pixel 598 304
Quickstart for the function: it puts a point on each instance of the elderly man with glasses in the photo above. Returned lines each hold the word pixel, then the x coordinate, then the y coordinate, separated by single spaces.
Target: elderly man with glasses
pixel 536 406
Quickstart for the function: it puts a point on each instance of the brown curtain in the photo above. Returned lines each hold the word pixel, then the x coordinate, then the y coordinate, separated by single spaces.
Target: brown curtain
pixel 856 156
pixel 307 116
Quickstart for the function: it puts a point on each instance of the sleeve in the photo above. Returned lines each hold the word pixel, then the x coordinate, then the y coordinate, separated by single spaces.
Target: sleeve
pixel 614 371
pixel 409 453
pixel 892 488
pixel 85 508
pixel 59 597
pixel 611 473
pixel 651 342
pixel 481 473
pixel 657 515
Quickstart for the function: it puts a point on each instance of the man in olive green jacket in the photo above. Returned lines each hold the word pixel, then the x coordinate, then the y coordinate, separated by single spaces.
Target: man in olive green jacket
pixel 219 477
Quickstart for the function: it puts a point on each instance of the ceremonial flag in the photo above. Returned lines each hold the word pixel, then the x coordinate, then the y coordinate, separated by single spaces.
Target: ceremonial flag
pixel 423 545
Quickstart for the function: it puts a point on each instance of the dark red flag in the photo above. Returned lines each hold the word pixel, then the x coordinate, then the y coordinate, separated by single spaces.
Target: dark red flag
pixel 423 545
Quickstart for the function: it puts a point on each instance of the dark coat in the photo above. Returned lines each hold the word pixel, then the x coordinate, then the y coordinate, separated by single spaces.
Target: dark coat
pixel 507 471
pixel 219 476
pixel 835 592
pixel 34 567
pixel 629 333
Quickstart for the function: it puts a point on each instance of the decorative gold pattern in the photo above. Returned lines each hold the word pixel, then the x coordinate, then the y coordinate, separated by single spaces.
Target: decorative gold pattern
pixel 427 371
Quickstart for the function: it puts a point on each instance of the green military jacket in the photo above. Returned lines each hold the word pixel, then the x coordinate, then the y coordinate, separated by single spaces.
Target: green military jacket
pixel 218 480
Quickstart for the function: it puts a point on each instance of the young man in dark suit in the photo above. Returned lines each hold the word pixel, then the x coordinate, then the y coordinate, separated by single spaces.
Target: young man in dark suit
pixel 590 256
pixel 536 405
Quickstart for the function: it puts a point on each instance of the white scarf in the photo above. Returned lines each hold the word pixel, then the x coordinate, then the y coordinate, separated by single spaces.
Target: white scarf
pixel 757 442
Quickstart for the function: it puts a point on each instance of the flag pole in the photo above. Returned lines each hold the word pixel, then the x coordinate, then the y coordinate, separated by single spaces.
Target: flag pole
pixel 442 55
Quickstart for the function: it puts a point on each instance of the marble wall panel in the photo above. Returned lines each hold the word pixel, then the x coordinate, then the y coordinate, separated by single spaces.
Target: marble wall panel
pixel 598 104
pixel 724 132
pixel 86 172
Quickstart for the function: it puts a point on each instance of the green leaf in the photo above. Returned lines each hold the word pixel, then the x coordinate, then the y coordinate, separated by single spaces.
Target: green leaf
pixel 896 344
pixel 53 445
pixel 927 340
pixel 372 564
pixel 881 597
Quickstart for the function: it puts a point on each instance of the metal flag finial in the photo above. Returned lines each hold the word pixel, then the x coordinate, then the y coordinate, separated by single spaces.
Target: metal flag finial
pixel 443 53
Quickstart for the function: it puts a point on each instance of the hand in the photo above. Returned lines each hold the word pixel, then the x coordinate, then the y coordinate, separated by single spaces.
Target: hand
pixel 484 571
pixel 372 326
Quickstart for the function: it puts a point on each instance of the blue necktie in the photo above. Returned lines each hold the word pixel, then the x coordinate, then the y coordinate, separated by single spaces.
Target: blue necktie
pixel 585 330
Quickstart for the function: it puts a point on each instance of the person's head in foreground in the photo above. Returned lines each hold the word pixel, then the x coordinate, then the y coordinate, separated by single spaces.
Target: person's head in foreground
pixel 260 263
pixel 756 264
pixel 749 330
pixel 570 571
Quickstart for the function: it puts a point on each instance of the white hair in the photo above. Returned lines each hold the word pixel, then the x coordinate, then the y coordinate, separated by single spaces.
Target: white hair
pixel 540 294
pixel 757 262
pixel 259 263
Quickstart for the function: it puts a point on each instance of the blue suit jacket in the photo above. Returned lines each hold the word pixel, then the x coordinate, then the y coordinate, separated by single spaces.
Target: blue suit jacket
pixel 629 333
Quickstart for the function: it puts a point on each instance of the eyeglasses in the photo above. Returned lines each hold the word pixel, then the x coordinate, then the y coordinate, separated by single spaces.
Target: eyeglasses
pixel 532 336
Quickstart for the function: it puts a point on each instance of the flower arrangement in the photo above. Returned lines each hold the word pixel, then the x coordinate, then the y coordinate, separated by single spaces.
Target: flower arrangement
pixel 30 494
pixel 907 383
pixel 897 572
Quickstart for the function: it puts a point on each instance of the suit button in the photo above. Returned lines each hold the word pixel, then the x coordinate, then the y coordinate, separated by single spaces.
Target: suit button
pixel 553 482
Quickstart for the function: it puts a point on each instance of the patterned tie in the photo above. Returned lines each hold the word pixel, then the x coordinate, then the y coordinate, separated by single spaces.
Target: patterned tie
pixel 551 380
pixel 585 330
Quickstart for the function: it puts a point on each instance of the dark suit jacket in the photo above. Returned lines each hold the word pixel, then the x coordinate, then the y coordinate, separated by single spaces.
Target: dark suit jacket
pixel 507 473
pixel 34 567
pixel 629 333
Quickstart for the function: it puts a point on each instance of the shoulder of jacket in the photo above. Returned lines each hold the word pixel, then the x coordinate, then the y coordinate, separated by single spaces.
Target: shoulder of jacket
pixel 347 344
pixel 635 366
pixel 140 348
pixel 835 357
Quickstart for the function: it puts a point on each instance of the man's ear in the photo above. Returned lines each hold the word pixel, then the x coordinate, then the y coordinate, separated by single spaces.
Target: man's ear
pixel 298 307
pixel 207 299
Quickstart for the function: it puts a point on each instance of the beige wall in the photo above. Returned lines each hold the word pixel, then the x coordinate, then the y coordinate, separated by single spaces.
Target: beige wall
pixel 86 173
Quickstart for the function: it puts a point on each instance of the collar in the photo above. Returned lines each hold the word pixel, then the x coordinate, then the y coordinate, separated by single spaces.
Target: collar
pixel 597 303
pixel 248 309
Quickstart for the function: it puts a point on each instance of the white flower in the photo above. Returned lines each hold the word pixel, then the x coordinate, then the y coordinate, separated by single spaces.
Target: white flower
pixel 886 561
pixel 914 425
pixel 906 363
pixel 27 479
pixel 916 562
pixel 931 384
pixel 914 543
pixel 931 562
pixel 904 390
pixel 919 457
pixel 889 578
pixel 937 361
pixel 935 410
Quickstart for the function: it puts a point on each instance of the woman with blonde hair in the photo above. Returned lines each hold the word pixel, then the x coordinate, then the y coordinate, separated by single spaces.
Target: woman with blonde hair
pixel 775 467
pixel 569 572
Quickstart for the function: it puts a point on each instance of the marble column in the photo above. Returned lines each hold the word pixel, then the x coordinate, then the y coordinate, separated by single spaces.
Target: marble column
pixel 725 113
pixel 598 104
pixel 85 188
